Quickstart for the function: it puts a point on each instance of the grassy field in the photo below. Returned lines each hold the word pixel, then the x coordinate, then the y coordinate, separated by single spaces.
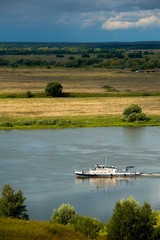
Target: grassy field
pixel 77 111
pixel 78 80
pixel 14 229
pixel 74 112
pixel 74 107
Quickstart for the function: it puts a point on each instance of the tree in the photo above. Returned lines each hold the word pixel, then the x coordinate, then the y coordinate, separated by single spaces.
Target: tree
pixel 90 227
pixel 133 113
pixel 130 221
pixel 12 204
pixel 53 89
pixel 29 94
pixel 85 55
pixel 64 214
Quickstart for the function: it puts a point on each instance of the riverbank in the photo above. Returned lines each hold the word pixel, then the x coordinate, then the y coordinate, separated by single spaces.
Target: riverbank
pixel 76 122
pixel 36 113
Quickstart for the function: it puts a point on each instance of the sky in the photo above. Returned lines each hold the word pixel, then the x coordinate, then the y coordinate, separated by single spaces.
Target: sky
pixel 79 20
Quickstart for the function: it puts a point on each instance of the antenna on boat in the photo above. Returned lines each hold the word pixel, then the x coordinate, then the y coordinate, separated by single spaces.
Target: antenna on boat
pixel 106 160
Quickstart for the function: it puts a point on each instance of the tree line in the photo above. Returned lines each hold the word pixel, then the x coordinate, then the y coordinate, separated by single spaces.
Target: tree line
pixel 115 59
pixel 83 45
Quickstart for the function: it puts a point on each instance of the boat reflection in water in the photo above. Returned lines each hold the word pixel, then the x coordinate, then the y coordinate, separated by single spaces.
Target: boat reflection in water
pixel 106 182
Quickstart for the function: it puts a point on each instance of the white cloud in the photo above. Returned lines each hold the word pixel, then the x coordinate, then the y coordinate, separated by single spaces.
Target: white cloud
pixel 127 20
pixel 91 18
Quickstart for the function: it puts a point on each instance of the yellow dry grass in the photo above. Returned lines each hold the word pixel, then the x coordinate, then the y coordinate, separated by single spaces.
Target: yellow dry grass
pixel 76 80
pixel 71 107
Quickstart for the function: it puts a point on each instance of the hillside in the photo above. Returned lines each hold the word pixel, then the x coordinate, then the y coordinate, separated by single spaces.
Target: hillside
pixel 20 229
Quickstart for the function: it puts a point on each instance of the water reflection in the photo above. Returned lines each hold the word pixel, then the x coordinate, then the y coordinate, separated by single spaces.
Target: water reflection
pixel 106 183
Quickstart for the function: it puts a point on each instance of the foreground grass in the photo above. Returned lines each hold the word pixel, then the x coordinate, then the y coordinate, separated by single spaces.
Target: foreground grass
pixel 76 122
pixel 33 230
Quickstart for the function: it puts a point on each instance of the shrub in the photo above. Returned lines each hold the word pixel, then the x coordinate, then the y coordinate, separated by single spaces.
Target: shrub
pixel 131 117
pixel 71 58
pixel 64 214
pixel 7 124
pixel 29 94
pixel 53 89
pixel 85 55
pixel 90 227
pixel 132 109
pixel 59 55
pixel 133 113
pixel 141 117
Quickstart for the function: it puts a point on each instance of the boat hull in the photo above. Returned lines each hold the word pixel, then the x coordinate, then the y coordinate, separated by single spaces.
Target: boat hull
pixel 88 175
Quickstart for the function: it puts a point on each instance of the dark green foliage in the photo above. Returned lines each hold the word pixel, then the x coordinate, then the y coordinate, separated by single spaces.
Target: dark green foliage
pixel 130 221
pixel 12 204
pixel 8 124
pixel 53 89
pixel 60 56
pixel 11 96
pixel 131 117
pixel 90 227
pixel 107 53
pixel 136 54
pixel 4 62
pixel 71 58
pixel 132 109
pixel 29 94
pixel 133 113
pixel 85 55
pixel 141 117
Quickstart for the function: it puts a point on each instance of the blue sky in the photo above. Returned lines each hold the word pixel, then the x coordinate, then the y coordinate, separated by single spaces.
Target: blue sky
pixel 79 20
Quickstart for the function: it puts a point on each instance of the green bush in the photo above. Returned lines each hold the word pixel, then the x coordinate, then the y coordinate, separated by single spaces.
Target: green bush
pixel 64 214
pixel 90 227
pixel 132 109
pixel 29 94
pixel 133 113
pixel 141 117
pixel 53 89
pixel 71 58
pixel 131 117
pixel 85 55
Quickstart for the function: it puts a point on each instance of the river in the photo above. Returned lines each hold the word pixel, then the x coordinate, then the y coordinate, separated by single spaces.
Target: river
pixel 42 163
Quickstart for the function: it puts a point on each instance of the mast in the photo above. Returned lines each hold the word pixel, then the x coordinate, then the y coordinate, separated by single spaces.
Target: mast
pixel 106 160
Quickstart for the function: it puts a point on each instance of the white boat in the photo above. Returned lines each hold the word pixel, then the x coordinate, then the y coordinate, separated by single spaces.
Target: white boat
pixel 104 171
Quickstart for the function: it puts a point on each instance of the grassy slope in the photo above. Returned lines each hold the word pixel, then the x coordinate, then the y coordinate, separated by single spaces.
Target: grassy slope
pixel 33 230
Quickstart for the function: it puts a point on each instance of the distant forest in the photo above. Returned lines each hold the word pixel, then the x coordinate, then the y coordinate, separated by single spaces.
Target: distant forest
pixel 110 55
pixel 83 45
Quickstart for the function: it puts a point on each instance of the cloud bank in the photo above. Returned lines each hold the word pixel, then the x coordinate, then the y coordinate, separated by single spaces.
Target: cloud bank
pixel 142 19
pixel 90 18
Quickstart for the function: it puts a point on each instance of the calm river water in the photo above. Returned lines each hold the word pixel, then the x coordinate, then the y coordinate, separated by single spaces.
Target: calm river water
pixel 42 164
